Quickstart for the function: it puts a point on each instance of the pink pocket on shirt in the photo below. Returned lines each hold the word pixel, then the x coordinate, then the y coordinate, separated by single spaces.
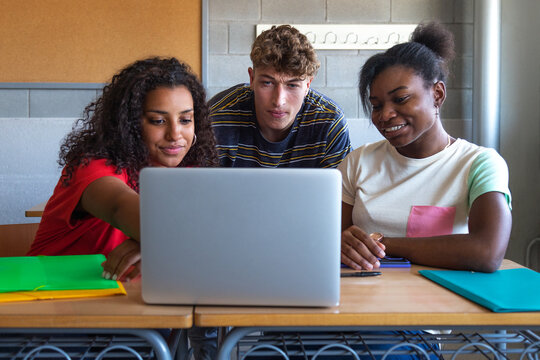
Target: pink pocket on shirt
pixel 430 221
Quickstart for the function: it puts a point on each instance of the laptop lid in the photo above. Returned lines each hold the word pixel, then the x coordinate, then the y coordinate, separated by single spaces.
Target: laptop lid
pixel 226 236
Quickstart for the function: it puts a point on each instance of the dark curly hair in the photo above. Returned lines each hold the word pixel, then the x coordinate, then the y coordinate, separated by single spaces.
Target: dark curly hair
pixel 111 127
pixel 428 53
pixel 285 49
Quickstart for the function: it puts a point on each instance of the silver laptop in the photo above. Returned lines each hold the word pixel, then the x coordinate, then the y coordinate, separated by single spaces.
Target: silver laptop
pixel 219 236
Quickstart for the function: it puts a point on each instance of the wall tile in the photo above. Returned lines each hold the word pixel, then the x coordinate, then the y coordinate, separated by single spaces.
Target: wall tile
pixel 13 103
pixel 357 11
pixel 19 193
pixel 59 103
pixel 228 70
pixel 36 140
pixel 458 104
pixel 346 98
pixel 297 11
pixel 28 163
pixel 233 10
pixel 463 36
pixel 343 70
pixel 459 128
pixel 415 11
pixel 320 79
pixel 461 73
pixel 218 42
pixel 464 11
pixel 362 131
pixel 241 37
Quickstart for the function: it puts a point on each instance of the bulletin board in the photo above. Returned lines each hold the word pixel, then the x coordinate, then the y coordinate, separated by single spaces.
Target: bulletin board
pixel 81 41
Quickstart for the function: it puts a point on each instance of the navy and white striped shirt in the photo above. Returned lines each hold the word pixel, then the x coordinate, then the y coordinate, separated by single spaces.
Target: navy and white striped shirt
pixel 318 138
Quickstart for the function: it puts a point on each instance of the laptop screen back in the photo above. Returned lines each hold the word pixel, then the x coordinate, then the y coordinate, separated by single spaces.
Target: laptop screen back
pixel 240 236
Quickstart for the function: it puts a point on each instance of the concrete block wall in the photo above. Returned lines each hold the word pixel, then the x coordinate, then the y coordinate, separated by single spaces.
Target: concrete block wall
pixel 232 30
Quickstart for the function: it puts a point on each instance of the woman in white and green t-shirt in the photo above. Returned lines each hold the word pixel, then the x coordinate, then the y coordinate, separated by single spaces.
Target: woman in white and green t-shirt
pixel 437 200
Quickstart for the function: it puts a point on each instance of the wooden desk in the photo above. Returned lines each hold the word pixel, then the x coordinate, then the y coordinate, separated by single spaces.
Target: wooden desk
pixel 103 312
pixel 399 298
pixel 110 315
pixel 36 210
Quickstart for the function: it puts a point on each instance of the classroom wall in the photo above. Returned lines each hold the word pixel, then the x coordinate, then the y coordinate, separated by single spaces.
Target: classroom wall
pixel 232 31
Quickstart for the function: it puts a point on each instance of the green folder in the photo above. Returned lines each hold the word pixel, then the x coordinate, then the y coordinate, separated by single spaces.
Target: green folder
pixel 510 290
pixel 69 272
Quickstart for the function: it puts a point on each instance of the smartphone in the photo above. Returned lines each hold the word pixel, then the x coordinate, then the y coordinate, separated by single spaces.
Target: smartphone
pixel 390 262
pixel 393 262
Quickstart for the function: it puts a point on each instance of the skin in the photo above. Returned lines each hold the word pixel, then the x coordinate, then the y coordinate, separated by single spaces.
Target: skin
pixel 278 98
pixel 404 113
pixel 167 130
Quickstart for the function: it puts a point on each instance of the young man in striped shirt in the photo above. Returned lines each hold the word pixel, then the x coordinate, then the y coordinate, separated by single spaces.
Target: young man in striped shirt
pixel 278 120
pixel 275 121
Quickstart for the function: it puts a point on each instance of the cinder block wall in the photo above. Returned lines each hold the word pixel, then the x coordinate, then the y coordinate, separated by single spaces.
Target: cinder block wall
pixel 232 31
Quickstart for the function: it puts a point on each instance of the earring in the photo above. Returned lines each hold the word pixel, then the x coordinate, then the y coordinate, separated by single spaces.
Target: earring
pixel 194 140
pixel 436 111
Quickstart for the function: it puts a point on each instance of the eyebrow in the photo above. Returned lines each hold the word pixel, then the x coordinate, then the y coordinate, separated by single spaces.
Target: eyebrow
pixel 288 81
pixel 165 112
pixel 391 91
pixel 396 89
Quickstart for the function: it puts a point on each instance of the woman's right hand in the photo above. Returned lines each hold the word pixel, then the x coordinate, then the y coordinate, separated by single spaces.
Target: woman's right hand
pixel 360 251
pixel 123 262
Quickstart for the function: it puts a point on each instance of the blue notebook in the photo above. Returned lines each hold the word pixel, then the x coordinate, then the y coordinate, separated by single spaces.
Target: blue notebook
pixel 510 290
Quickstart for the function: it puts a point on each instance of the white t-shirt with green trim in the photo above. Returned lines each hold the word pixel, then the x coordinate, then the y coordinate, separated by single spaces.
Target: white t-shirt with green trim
pixel 401 196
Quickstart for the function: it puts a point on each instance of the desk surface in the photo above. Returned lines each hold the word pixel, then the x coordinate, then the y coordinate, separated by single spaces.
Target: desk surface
pixel 399 297
pixel 36 210
pixel 104 312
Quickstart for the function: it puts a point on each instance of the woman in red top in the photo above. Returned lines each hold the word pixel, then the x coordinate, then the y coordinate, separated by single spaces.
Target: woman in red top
pixel 153 113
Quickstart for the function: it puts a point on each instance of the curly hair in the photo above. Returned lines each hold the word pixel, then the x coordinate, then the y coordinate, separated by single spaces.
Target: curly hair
pixel 428 53
pixel 285 49
pixel 111 127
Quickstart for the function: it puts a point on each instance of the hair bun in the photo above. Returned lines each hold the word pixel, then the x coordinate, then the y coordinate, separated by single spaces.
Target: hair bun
pixel 436 37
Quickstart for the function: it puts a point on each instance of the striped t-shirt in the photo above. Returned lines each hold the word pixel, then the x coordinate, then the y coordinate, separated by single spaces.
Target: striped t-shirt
pixel 318 138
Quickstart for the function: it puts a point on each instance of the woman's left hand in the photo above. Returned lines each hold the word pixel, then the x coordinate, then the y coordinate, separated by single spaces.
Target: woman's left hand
pixel 123 262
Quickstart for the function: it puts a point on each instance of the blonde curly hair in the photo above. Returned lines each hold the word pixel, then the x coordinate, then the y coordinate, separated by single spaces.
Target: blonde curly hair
pixel 285 49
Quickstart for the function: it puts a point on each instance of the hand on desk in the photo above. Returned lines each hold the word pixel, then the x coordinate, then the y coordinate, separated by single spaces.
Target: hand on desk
pixel 123 262
pixel 360 251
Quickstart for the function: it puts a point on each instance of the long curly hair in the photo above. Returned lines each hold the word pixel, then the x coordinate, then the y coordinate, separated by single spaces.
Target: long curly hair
pixel 111 127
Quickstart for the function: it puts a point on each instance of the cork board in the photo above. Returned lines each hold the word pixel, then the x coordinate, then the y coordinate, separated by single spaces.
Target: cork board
pixel 78 41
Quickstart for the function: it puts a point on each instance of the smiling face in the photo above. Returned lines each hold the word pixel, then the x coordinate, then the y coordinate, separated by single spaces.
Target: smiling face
pixel 278 98
pixel 404 111
pixel 168 125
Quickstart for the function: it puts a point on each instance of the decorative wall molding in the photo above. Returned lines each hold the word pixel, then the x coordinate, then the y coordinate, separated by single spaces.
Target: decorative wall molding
pixel 352 37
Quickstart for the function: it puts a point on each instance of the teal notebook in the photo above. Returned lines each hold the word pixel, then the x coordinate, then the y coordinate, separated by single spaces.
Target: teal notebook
pixel 69 272
pixel 510 290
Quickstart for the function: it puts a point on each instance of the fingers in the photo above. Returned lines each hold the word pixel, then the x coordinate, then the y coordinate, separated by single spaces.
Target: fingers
pixel 121 259
pixel 132 272
pixel 359 251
